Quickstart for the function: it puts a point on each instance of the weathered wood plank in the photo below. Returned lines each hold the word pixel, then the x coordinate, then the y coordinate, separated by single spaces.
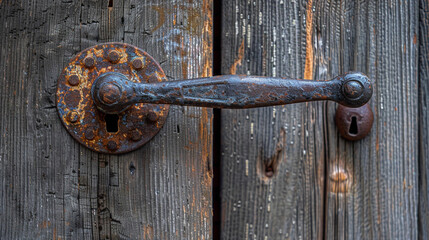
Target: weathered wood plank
pixel 272 158
pixel 380 193
pixel 372 184
pixel 53 188
pixel 424 120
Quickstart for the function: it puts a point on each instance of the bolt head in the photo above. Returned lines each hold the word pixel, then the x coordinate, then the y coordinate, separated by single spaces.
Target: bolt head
pixel 112 146
pixel 137 63
pixel 89 62
pixel 74 80
pixel 353 89
pixel 73 116
pixel 152 116
pixel 89 133
pixel 113 56
pixel 135 135
pixel 110 93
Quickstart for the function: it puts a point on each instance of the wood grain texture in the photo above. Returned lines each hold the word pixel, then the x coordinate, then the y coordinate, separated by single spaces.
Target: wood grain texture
pixel 272 158
pixel 372 184
pixel 424 120
pixel 54 188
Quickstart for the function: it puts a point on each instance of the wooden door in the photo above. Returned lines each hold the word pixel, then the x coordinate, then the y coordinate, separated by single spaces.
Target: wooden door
pixel 279 172
pixel 54 188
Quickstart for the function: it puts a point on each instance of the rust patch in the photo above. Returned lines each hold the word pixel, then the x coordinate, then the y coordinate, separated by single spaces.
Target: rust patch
pixel 45 224
pixel 193 16
pixel 72 98
pixel 205 138
pixel 194 20
pixel 148 232
pixel 233 69
pixel 183 54
pixel 161 17
pixel 415 39
pixel 309 57
pixel 206 121
pixel 207 39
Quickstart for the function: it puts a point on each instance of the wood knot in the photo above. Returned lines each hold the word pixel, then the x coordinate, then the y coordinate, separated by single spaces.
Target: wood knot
pixel 339 176
pixel 339 181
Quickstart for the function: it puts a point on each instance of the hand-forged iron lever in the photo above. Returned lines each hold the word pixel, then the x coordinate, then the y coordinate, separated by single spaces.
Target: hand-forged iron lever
pixel 114 92
pixel 130 89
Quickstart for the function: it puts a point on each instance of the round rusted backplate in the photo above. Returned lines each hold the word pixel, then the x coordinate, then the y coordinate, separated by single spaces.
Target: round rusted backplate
pixel 96 130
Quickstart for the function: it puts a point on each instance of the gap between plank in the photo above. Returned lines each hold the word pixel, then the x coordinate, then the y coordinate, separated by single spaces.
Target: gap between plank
pixel 217 160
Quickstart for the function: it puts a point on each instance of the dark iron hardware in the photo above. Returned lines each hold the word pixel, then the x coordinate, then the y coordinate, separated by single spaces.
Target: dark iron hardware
pixel 113 92
pixel 114 97
pixel 354 123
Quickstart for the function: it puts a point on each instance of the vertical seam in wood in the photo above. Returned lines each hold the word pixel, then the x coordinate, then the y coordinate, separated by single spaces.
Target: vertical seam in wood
pixel 216 119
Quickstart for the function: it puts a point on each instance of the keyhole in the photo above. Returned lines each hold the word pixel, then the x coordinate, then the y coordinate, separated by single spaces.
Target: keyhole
pixel 111 122
pixel 353 130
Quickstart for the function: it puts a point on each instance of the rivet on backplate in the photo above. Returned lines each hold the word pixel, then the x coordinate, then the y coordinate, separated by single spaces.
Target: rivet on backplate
pixel 72 116
pixel 89 133
pixel 135 135
pixel 152 116
pixel 137 63
pixel 114 56
pixel 73 80
pixel 89 62
pixel 112 146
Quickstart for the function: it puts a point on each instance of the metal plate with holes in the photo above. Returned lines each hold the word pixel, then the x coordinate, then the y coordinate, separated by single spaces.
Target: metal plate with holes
pixel 105 133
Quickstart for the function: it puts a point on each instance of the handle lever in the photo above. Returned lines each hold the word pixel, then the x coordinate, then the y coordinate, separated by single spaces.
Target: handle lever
pixel 112 92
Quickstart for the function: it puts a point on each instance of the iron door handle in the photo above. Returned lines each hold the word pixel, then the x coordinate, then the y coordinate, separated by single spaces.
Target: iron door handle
pixel 132 92
pixel 114 92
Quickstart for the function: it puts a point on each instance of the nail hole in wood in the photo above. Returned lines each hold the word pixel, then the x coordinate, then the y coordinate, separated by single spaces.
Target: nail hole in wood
pixel 269 171
pixel 132 169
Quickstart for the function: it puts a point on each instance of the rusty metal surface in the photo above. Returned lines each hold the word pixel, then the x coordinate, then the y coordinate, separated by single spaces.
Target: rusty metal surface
pixel 354 123
pixel 233 91
pixel 79 114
